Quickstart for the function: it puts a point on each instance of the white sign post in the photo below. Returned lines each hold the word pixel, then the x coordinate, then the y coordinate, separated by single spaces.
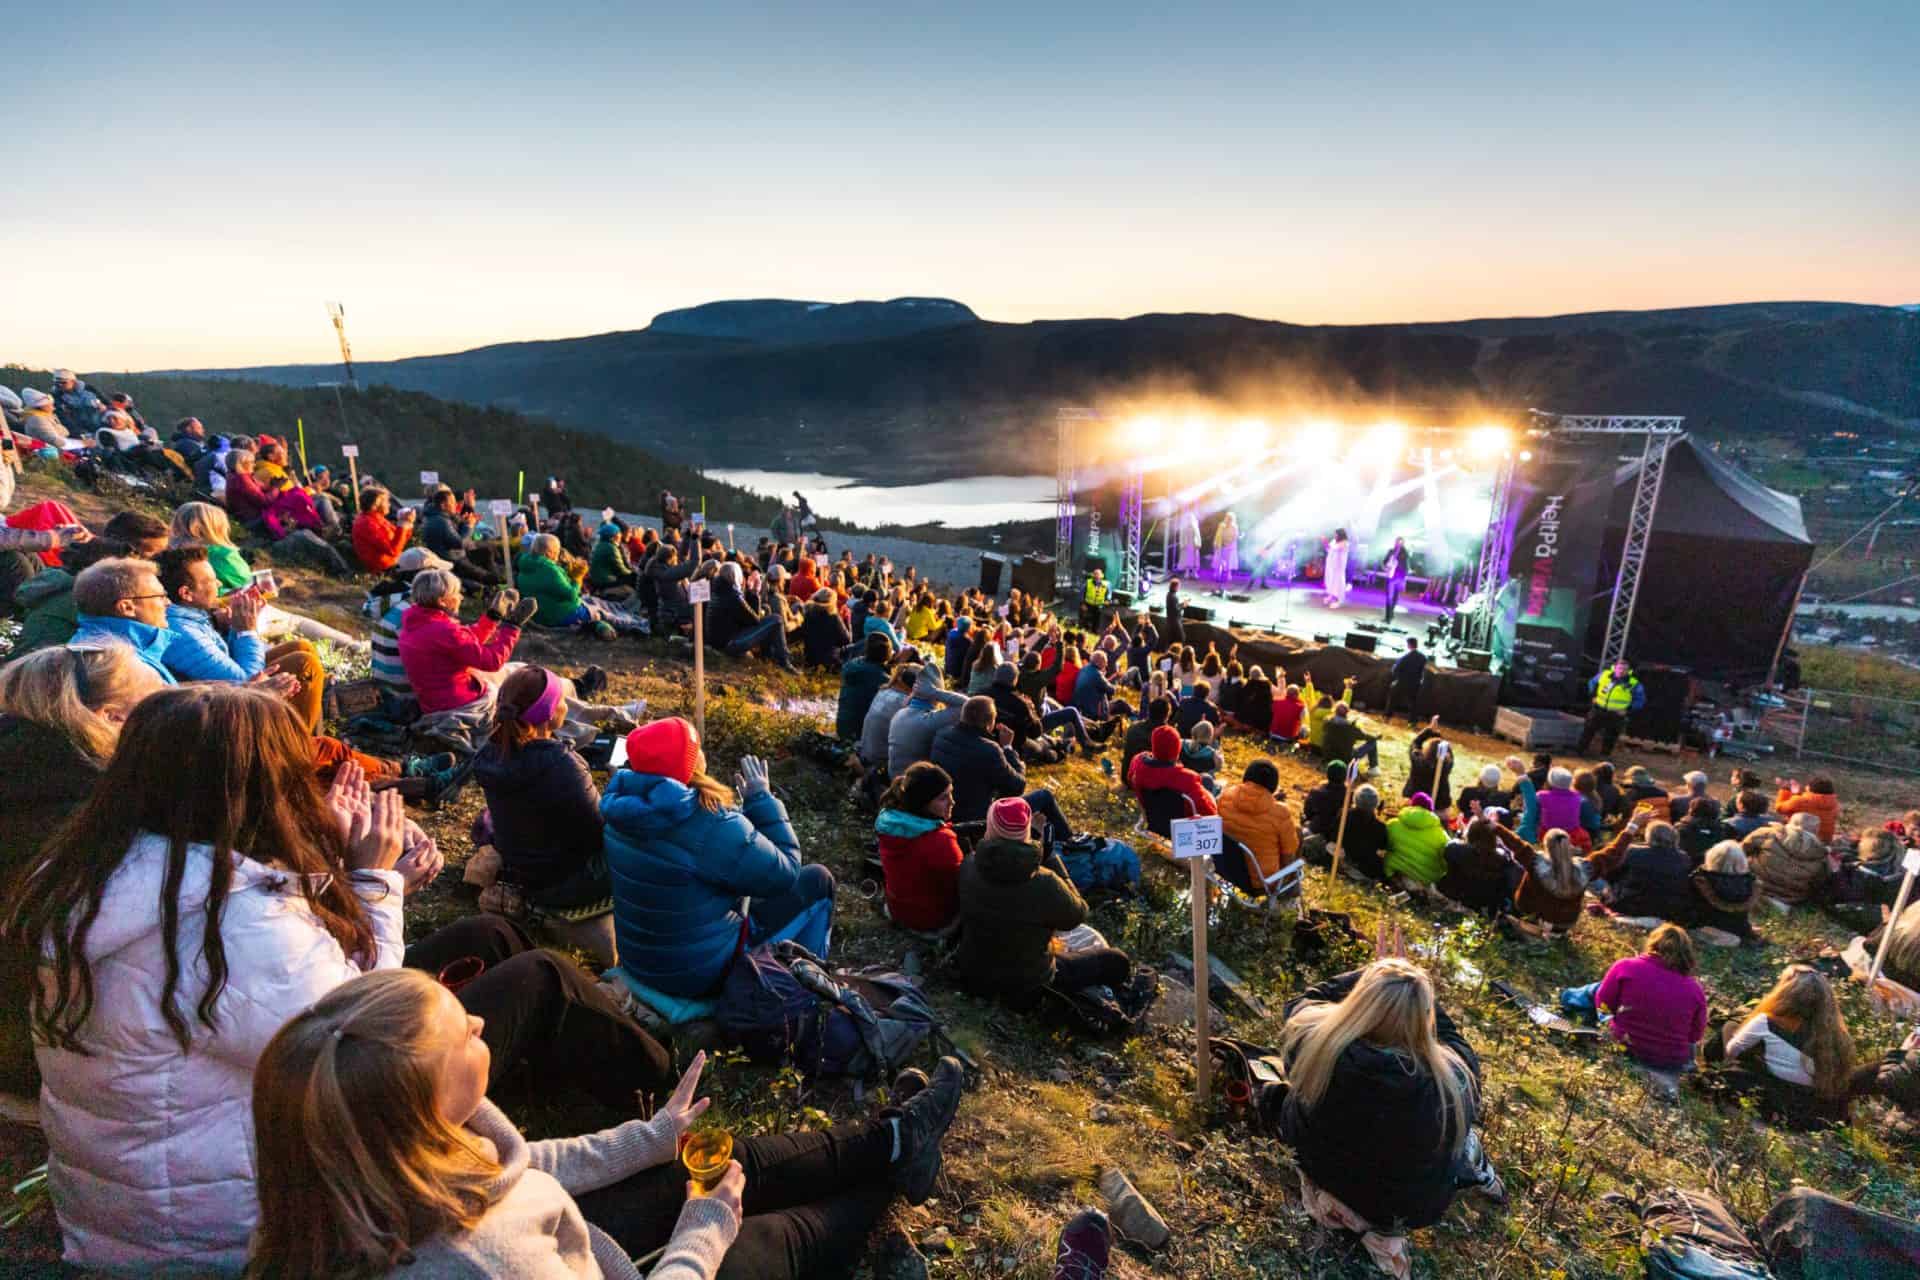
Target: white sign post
pixel 699 591
pixel 351 452
pixel 1195 841
pixel 1912 865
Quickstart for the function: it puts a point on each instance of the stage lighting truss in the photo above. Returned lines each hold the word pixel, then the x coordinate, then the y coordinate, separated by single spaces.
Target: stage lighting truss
pixel 1067 423
pixel 1657 433
pixel 1496 553
pixel 1133 504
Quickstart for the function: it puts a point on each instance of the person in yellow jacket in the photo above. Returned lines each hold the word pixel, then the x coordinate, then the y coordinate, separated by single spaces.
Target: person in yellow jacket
pixel 1094 600
pixel 1615 694
pixel 1252 813
pixel 1320 710
pixel 1416 842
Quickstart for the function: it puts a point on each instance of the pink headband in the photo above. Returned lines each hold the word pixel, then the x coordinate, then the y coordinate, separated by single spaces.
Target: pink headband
pixel 541 710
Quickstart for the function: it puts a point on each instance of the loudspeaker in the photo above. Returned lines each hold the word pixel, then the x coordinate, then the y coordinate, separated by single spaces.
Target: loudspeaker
pixel 1034 576
pixel 1120 599
pixel 990 567
pixel 1361 642
pixel 1476 660
pixel 1197 613
pixel 1320 639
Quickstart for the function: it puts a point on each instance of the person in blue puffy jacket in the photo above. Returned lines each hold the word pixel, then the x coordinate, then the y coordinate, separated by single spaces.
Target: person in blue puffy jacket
pixel 696 872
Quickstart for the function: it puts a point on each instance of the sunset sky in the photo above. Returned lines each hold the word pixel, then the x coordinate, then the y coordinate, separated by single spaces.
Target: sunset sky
pixel 191 183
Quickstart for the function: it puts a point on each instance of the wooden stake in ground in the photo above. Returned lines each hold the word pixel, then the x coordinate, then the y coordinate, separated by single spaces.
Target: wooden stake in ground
pixel 500 508
pixel 351 452
pixel 1195 841
pixel 1346 806
pixel 699 591
pixel 1899 905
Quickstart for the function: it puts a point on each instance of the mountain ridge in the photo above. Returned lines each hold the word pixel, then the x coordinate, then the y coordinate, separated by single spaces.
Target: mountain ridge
pixel 945 393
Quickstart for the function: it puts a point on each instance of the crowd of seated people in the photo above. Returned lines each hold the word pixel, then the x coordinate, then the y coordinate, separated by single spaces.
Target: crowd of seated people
pixel 216 887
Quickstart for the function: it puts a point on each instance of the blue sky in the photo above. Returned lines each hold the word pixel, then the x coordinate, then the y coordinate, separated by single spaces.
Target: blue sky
pixel 193 182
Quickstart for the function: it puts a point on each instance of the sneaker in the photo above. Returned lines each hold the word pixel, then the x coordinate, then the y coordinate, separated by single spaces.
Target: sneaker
pixel 1480 1177
pixel 591 683
pixel 426 766
pixel 1085 1244
pixel 923 1123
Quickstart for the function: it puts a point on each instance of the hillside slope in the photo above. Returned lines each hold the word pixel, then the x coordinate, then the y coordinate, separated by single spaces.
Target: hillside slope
pixel 878 398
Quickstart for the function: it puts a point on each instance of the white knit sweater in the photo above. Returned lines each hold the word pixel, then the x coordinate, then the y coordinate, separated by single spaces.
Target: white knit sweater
pixel 535 1231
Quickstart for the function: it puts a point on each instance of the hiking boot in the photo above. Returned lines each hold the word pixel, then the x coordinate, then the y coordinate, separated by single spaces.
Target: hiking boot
pixel 591 683
pixel 409 788
pixel 907 1084
pixel 923 1123
pixel 426 766
pixel 1085 1243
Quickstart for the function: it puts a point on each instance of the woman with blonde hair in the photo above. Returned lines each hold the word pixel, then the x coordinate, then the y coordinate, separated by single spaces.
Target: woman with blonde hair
pixel 60 717
pixel 1553 883
pixel 1652 1003
pixel 1792 1050
pixel 1380 1110
pixel 205 525
pixel 379 1155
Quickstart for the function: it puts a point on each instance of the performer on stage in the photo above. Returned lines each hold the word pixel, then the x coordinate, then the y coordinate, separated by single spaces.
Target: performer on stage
pixel 1273 560
pixel 1189 528
pixel 1226 549
pixel 1394 567
pixel 1338 548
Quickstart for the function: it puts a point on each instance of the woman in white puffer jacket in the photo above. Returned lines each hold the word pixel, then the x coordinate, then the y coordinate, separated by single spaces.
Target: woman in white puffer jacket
pixel 147 1035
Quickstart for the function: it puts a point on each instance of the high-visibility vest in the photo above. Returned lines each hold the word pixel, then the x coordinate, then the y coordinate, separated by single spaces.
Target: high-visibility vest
pixel 1615 695
pixel 1096 592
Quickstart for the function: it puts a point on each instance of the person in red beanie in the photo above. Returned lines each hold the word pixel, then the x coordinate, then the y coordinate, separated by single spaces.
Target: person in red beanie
pixel 683 852
pixel 1013 900
pixel 1161 770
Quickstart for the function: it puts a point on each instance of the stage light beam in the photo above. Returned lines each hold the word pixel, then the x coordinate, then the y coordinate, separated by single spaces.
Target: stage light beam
pixel 1490 441
pixel 1145 433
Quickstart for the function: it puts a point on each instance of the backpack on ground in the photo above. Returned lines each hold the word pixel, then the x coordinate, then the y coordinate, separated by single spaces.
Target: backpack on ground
pixel 782 1005
pixel 1099 865
pixel 1692 1235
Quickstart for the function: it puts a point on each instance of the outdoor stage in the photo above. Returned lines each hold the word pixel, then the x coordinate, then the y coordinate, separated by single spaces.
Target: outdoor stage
pixel 1299 611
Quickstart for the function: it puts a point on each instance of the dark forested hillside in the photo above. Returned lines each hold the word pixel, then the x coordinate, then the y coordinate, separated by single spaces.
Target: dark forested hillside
pixel 922 388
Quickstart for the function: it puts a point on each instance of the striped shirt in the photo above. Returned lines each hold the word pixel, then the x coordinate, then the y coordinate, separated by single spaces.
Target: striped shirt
pixel 386 647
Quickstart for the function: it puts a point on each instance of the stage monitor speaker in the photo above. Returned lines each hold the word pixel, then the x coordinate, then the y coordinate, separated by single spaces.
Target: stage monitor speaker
pixel 1197 613
pixel 1476 660
pixel 1361 642
pixel 1034 576
pixel 1120 599
pixel 1322 639
pixel 991 566
pixel 1237 598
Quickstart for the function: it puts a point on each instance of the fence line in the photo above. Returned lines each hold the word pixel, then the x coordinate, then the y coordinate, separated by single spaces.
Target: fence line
pixel 1830 724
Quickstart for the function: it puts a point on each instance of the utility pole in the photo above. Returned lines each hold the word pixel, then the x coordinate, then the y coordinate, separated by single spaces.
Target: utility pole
pixel 338 314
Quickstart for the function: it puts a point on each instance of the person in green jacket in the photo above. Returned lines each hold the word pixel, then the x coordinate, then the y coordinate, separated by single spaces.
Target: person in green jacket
pixel 609 568
pixel 1416 842
pixel 540 577
pixel 47 597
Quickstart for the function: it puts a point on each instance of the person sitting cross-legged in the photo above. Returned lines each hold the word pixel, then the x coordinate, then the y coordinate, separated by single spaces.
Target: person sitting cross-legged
pixel 919 853
pixel 1013 900
pixel 380 1155
pixel 1652 1003
pixel 1791 1051
pixel 540 577
pixel 696 868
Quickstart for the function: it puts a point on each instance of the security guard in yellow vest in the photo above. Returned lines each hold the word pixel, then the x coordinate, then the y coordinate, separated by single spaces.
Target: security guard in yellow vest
pixel 1094 600
pixel 1616 694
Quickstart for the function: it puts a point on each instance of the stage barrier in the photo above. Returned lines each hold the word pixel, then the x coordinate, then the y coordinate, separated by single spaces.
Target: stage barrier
pixel 1467 698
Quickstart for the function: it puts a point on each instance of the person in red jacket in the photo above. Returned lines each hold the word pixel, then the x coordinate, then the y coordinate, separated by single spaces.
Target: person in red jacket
pixel 377 540
pixel 440 653
pixel 1289 716
pixel 805 581
pixel 246 501
pixel 919 853
pixel 1161 770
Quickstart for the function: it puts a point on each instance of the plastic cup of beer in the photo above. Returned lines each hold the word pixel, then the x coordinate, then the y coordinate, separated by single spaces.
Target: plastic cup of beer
pixel 705 1154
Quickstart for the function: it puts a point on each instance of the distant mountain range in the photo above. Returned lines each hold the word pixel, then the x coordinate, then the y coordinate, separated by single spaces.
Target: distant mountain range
pixel 924 388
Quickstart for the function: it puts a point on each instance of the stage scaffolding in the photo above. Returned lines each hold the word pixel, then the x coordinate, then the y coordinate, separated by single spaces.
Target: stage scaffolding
pixel 1656 434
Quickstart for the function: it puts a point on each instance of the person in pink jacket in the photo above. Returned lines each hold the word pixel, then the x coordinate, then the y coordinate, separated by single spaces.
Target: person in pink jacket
pixel 441 653
pixel 1658 1011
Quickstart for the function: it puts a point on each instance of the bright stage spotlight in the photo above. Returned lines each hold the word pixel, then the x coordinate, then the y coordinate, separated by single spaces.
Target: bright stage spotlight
pixel 1490 441
pixel 1144 433
pixel 1318 439
pixel 1249 437
pixel 1526 455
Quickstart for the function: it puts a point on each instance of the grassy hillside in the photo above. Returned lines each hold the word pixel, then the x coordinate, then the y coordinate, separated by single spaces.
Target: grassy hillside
pixel 1565 1124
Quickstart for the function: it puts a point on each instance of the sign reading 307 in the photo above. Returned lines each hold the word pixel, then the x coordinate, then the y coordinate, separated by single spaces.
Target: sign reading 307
pixel 1196 837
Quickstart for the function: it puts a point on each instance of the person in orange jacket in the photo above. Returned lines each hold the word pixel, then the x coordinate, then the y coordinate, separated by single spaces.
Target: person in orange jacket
pixel 1816 797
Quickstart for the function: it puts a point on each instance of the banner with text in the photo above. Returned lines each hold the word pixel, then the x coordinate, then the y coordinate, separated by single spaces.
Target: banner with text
pixel 1560 513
